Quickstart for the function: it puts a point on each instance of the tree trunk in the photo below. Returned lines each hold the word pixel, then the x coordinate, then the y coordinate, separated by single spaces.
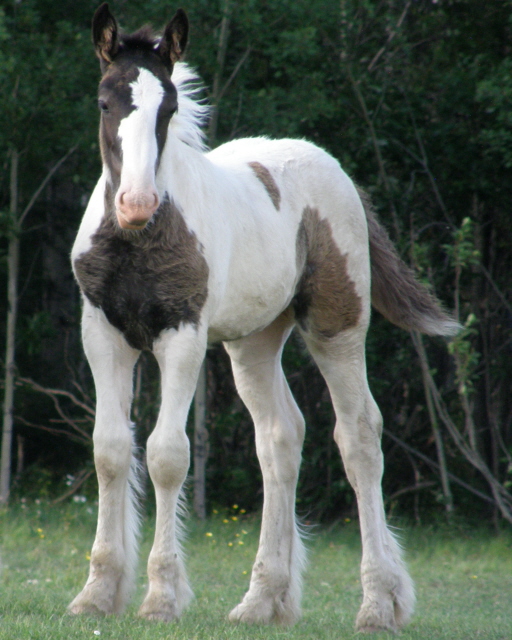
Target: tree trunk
pixel 217 78
pixel 13 258
pixel 200 431
pixel 441 458
pixel 200 445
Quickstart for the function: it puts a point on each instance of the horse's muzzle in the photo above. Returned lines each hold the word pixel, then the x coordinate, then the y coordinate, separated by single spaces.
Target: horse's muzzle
pixel 134 209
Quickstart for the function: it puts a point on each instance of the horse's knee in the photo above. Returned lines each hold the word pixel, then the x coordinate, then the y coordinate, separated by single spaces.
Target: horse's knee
pixel 112 454
pixel 168 457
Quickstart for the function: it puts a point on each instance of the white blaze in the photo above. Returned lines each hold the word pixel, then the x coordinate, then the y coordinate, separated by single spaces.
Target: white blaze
pixel 138 142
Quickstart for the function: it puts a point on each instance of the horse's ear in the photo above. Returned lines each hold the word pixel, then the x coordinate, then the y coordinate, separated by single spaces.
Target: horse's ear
pixel 104 34
pixel 174 40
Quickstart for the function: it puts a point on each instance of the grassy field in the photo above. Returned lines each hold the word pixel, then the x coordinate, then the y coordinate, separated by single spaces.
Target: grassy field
pixel 463 579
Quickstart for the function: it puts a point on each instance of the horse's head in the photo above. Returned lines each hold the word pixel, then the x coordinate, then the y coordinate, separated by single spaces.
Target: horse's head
pixel 137 100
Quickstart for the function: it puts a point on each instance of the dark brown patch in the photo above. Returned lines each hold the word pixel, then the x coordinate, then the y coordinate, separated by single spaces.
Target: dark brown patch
pixel 145 281
pixel 264 175
pixel 326 301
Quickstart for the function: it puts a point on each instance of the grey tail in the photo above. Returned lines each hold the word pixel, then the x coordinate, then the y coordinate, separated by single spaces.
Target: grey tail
pixel 395 291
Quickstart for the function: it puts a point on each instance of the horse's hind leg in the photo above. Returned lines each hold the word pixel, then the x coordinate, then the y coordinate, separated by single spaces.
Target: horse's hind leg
pixel 275 587
pixel 388 593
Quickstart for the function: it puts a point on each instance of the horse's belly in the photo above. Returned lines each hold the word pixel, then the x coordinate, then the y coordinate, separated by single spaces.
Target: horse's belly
pixel 253 305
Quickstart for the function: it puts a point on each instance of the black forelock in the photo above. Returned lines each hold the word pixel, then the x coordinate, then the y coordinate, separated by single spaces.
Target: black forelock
pixel 144 40
pixel 140 48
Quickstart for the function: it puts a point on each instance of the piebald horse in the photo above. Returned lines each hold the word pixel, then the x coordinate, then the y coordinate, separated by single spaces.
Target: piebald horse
pixel 181 247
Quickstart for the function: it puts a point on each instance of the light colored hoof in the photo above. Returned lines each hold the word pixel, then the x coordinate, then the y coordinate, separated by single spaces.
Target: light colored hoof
pixel 390 606
pixel 265 611
pixel 251 614
pixel 163 607
pixel 158 616
pixel 374 617
pixel 160 609
pixel 87 610
pixel 86 604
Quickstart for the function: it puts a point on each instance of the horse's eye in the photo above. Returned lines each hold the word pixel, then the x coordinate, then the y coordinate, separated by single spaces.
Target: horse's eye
pixel 103 106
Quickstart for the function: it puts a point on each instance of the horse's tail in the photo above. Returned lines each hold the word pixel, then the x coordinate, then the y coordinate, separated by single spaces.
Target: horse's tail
pixel 395 291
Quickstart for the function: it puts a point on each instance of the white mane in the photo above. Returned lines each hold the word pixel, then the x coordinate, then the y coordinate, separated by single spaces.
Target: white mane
pixel 188 122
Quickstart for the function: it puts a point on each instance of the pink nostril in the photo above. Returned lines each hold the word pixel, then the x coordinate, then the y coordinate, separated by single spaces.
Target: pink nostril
pixel 137 205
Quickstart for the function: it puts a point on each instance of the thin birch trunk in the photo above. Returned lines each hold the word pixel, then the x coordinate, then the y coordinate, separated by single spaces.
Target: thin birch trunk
pixel 441 458
pixel 13 259
pixel 200 431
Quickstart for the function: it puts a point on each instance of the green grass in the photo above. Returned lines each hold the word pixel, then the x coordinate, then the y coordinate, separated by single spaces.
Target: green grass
pixel 463 579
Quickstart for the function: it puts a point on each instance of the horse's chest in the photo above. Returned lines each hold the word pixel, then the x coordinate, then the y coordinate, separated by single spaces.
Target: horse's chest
pixel 145 283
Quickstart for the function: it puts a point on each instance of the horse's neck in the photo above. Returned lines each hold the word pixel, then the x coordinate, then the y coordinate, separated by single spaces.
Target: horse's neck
pixel 186 174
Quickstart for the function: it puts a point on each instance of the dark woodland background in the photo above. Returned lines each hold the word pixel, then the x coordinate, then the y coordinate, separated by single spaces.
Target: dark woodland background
pixel 414 99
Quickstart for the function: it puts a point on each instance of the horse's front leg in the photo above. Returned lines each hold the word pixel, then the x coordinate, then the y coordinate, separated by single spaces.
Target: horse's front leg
pixel 179 355
pixel 114 553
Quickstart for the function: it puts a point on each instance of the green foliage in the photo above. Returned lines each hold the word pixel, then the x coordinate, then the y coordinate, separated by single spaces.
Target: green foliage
pixel 461 250
pixel 412 98
pixel 35 331
pixel 43 102
pixel 236 477
pixel 463 255
pixel 495 94
pixel 467 357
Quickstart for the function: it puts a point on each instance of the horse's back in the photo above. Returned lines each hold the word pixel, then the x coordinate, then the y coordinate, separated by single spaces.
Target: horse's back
pixel 304 175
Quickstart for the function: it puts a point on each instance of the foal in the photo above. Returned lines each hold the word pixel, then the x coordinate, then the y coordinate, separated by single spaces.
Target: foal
pixel 180 247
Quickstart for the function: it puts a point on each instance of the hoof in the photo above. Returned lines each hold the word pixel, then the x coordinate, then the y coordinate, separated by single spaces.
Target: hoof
pixel 265 611
pixel 87 610
pixel 161 607
pixel 251 614
pixel 158 616
pixel 373 618
pixel 84 604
